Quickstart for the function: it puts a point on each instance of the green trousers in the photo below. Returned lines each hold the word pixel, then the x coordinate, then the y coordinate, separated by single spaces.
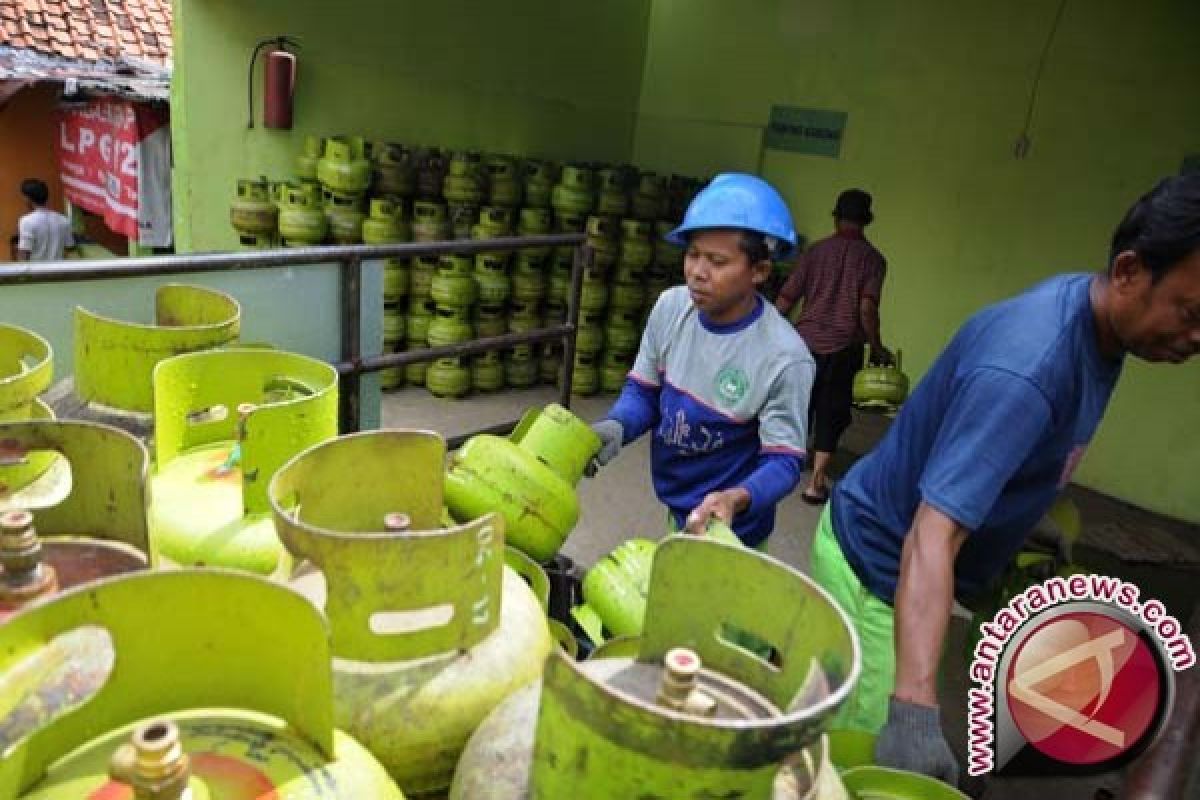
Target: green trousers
pixel 863 714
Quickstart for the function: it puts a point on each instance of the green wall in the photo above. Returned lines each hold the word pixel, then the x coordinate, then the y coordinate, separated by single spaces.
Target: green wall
pixel 534 77
pixel 937 93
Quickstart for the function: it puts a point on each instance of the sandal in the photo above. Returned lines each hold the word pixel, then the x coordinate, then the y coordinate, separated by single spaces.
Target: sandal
pixel 818 499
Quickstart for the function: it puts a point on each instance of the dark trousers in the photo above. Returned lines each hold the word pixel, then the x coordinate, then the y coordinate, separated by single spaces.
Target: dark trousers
pixel 832 393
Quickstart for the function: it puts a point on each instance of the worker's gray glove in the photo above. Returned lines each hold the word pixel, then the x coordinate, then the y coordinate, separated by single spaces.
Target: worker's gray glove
pixel 612 435
pixel 912 739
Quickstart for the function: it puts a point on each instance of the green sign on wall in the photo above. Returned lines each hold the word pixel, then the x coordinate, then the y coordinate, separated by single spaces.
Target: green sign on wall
pixel 806 130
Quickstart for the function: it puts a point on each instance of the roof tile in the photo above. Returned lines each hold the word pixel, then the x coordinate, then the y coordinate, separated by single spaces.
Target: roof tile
pixel 89 29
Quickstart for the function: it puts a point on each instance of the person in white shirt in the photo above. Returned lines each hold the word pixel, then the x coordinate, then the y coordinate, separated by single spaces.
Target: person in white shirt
pixel 42 234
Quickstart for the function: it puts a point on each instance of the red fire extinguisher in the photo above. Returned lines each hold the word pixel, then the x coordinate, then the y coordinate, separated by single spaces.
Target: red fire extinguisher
pixel 279 82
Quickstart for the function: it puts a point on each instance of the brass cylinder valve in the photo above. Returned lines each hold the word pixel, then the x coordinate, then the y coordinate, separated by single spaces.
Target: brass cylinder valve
pixel 153 763
pixel 24 577
pixel 679 690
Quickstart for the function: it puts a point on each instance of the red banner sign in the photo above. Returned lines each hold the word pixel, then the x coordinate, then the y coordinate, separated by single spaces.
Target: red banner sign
pixel 115 161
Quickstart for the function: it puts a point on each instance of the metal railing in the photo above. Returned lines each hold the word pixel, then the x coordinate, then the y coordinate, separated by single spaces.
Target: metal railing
pixel 349 258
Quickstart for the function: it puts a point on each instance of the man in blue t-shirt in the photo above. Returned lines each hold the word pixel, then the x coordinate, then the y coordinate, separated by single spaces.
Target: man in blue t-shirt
pixel 978 453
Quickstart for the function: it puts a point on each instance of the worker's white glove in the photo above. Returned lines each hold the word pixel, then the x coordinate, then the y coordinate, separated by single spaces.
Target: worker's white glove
pixel 612 435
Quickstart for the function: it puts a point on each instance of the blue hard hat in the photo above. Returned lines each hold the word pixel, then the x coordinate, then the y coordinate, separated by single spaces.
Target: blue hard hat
pixel 737 200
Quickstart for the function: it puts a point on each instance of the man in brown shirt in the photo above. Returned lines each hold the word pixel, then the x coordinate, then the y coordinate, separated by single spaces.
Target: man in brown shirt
pixel 840 280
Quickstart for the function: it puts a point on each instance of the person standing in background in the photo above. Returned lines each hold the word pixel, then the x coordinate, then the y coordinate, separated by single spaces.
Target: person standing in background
pixel 840 280
pixel 42 234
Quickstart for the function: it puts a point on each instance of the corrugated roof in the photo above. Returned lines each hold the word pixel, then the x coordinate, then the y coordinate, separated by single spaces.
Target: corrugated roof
pixel 89 30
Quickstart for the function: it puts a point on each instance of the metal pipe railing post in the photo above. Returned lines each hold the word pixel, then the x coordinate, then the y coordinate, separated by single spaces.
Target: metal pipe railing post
pixel 579 262
pixel 349 390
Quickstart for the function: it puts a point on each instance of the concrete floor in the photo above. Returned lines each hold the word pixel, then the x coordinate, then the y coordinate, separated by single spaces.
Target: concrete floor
pixel 619 503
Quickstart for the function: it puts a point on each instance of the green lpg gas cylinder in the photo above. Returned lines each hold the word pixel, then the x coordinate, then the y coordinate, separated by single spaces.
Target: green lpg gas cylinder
pixel 881 388
pixel 494 221
pixel 114 359
pixel 504 181
pixel 627 296
pixel 450 325
pixel 454 283
pixel 396 278
pixel 637 250
pixel 395 171
pixel 245 712
pixel 26 370
pixel 253 215
pixel 414 374
pixel 420 281
pixel 529 477
pixel 556 312
pixel 616 587
pixel 430 221
pixel 420 317
pixel 307 158
pixel 882 783
pixel 613 199
pixel 224 421
pixel 87 525
pixel 621 333
pixel 523 317
pixel 550 362
pixel 490 320
pixel 614 368
pixel 394 329
pixel 585 380
pixel 574 193
pixel 539 183
pixel 448 377
pixel 344 166
pixel 594 295
pixel 529 278
pixel 385 224
pixel 464 182
pixel 491 278
pixel 301 220
pixel 602 238
pixel 697 715
pixel 431 172
pixel 534 222
pixel 520 367
pixel 430 629
pixel 589 336
pixel 487 372
pixel 559 288
pixel 346 221
pixel 665 253
pixel 649 202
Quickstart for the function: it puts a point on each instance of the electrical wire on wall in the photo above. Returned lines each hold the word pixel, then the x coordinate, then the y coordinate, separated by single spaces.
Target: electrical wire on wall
pixel 1023 143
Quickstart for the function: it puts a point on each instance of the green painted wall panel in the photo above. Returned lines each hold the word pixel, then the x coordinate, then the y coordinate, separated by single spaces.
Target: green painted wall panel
pixel 535 77
pixel 936 94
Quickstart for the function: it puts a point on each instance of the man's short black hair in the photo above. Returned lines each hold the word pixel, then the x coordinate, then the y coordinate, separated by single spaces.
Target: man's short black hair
pixel 854 205
pixel 35 191
pixel 1163 226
